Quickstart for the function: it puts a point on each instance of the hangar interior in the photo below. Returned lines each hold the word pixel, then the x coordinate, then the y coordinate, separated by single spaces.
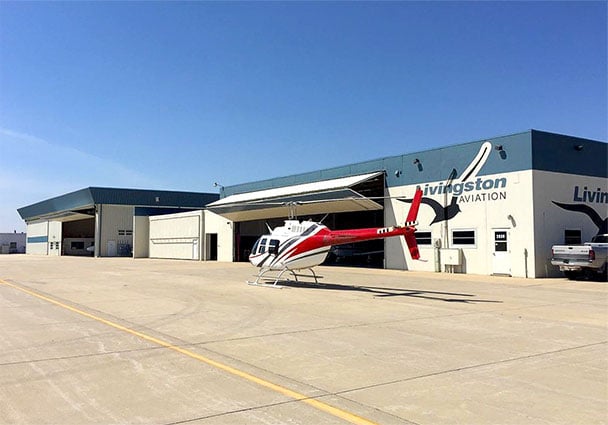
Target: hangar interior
pixel 343 203
pixel 77 236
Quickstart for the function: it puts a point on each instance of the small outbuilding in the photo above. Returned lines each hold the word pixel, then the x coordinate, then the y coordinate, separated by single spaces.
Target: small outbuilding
pixel 12 243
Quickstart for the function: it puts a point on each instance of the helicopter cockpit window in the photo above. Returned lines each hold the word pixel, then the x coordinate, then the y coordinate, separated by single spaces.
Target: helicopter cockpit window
pixel 273 246
pixel 262 246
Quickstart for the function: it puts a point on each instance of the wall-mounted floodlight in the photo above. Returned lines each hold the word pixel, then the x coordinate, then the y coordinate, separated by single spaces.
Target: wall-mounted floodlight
pixel 501 151
pixel 512 220
pixel 578 147
pixel 397 173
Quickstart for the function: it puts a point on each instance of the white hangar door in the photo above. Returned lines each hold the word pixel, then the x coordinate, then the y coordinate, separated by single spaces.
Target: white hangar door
pixel 37 238
pixel 176 236
pixel 501 255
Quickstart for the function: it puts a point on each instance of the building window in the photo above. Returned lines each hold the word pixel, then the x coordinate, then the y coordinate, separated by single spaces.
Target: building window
pixel 572 237
pixel 424 238
pixel 465 238
pixel 262 248
pixel 125 233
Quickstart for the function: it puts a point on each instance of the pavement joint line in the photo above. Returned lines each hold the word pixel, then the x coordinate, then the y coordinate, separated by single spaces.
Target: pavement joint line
pixel 460 369
pixel 319 405
pixel 79 356
pixel 260 407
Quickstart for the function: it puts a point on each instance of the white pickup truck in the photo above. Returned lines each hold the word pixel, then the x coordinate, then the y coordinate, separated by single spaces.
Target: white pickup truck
pixel 588 260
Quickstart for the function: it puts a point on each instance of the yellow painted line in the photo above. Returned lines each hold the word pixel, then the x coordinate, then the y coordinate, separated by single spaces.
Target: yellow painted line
pixel 350 417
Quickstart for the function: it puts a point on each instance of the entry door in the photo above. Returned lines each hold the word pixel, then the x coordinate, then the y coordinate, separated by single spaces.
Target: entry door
pixel 54 248
pixel 111 248
pixel 501 263
pixel 211 241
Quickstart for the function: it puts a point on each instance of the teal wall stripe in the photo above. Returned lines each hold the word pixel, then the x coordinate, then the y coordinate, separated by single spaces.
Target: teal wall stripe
pixel 37 239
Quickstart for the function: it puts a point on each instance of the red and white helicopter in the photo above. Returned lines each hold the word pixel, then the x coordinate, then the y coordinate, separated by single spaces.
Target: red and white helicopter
pixel 302 245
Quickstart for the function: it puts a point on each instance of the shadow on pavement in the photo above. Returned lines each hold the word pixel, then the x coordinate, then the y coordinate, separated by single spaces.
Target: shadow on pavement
pixel 450 297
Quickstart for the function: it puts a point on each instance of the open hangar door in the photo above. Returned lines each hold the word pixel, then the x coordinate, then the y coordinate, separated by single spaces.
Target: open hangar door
pixel 77 229
pixel 345 203
pixel 77 236
pixel 361 254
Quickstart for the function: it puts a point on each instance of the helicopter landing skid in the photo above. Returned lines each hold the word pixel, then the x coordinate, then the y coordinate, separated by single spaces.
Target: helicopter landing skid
pixel 276 279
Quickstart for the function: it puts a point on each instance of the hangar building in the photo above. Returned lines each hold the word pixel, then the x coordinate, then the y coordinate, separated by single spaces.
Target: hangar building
pixel 104 222
pixel 493 206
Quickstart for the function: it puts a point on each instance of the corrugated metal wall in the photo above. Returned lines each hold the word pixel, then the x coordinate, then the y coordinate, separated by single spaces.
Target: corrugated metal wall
pixel 116 233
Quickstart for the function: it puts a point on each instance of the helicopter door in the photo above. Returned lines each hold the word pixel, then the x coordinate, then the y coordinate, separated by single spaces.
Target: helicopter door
pixel 273 247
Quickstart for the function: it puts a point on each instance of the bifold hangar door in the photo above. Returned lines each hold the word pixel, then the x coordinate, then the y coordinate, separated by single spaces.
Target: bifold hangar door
pixel 343 194
pixel 176 236
pixel 341 203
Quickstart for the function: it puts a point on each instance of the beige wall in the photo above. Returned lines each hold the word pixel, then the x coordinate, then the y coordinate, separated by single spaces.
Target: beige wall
pixel 55 238
pixel 508 208
pixel 114 218
pixel 141 237
pixel 223 227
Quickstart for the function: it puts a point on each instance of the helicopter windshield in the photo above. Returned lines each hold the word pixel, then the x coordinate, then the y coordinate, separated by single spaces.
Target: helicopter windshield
pixel 263 244
pixel 255 246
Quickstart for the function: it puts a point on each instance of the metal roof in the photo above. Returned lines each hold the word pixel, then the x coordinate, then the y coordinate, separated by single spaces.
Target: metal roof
pixel 528 150
pixel 83 199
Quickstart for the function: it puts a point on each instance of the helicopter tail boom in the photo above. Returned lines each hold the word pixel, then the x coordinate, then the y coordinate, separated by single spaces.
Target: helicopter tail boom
pixel 338 237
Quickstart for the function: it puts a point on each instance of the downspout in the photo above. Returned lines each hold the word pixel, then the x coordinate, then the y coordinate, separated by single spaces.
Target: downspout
pixel 98 230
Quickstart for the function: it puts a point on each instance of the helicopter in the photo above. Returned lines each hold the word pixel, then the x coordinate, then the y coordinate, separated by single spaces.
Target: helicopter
pixel 303 245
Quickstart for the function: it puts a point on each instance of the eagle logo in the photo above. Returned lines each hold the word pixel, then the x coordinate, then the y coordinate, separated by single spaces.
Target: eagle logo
pixel 602 224
pixel 450 211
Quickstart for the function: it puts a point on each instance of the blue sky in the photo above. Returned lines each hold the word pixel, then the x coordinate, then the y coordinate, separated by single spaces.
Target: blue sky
pixel 178 95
